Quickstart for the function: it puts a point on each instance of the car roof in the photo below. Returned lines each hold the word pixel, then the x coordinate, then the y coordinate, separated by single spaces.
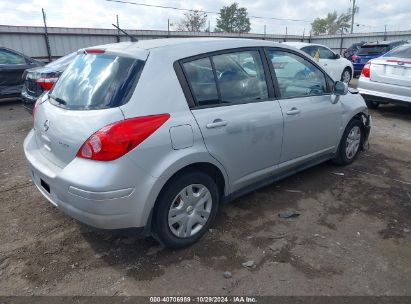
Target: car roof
pixel 182 47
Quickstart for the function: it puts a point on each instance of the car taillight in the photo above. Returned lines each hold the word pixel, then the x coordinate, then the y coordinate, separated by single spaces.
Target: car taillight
pixel 354 58
pixel 119 138
pixel 46 83
pixel 366 70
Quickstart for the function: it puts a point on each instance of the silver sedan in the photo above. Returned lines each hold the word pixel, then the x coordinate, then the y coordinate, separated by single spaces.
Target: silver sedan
pixel 387 79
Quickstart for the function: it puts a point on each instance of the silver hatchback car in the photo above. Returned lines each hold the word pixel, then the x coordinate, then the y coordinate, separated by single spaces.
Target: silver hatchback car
pixel 154 135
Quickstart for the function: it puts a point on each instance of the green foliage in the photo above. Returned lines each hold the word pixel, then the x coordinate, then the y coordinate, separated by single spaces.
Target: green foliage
pixel 193 21
pixel 332 24
pixel 233 19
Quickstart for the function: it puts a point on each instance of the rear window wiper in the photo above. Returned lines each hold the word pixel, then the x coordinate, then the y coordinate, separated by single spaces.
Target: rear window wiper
pixel 59 100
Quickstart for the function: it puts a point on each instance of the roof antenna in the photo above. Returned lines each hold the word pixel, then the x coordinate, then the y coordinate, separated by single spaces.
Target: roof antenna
pixel 132 38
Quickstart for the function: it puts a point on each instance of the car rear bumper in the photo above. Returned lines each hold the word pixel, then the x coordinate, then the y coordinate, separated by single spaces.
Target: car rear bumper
pixel 383 92
pixel 82 191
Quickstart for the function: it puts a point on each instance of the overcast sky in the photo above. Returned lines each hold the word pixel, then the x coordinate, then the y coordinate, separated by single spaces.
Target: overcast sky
pixel 372 16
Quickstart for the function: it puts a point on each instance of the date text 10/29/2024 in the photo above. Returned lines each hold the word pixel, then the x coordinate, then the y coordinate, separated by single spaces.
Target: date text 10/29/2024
pixel 205 299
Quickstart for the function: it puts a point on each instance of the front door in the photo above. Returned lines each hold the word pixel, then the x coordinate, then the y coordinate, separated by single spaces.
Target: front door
pixel 312 123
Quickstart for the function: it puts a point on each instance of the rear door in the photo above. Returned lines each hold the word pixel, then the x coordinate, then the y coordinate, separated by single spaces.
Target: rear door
pixel 312 124
pixel 239 118
pixel 394 67
pixel 12 66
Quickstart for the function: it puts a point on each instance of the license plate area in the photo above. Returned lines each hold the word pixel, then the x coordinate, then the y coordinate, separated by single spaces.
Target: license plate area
pixel 45 185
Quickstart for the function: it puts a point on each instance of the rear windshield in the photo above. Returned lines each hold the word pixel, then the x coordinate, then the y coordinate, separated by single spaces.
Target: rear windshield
pixel 63 60
pixel 96 82
pixel 403 51
pixel 373 49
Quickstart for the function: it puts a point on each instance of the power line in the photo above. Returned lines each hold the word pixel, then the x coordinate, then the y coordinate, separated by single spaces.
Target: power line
pixel 206 12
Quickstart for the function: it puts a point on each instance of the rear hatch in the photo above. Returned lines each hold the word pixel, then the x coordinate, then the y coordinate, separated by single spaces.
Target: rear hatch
pixel 86 98
pixel 393 68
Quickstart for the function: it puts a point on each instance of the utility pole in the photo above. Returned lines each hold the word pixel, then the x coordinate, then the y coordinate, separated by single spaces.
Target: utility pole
pixel 265 30
pixel 46 35
pixel 385 32
pixel 286 33
pixel 118 30
pixel 303 35
pixel 168 28
pixel 352 15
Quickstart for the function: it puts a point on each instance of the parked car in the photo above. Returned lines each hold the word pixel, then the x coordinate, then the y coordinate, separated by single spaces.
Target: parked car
pixel 40 79
pixel 12 66
pixel 337 67
pixel 370 51
pixel 156 134
pixel 352 50
pixel 387 79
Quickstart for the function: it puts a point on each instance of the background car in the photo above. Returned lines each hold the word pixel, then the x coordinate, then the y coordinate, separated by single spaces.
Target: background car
pixel 338 67
pixel 352 50
pixel 372 50
pixel 12 66
pixel 387 79
pixel 40 79
pixel 154 135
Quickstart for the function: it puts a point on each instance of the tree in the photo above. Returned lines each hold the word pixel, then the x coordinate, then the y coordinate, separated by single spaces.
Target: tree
pixel 233 19
pixel 331 24
pixel 193 21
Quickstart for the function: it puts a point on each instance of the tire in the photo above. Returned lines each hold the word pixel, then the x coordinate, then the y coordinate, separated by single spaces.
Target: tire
pixel 349 148
pixel 372 104
pixel 346 75
pixel 179 223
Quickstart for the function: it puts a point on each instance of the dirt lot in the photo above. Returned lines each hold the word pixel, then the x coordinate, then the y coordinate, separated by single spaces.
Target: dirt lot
pixel 352 237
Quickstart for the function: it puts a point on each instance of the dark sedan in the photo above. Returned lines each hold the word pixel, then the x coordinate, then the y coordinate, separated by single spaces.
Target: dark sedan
pixel 12 66
pixel 40 79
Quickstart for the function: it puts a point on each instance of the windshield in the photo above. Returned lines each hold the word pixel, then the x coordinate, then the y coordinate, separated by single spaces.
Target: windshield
pixel 373 49
pixel 96 82
pixel 403 51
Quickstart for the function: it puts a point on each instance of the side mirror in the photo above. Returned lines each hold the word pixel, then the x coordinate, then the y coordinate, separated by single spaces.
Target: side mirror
pixel 340 88
pixel 337 56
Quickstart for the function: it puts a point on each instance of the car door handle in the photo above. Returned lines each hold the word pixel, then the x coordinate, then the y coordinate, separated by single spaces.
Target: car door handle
pixel 217 123
pixel 325 64
pixel 293 111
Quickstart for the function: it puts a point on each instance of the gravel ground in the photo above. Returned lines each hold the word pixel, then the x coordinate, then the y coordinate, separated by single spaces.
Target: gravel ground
pixel 352 236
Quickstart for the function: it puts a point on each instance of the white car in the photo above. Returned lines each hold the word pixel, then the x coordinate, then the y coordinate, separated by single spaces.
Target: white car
pixel 338 67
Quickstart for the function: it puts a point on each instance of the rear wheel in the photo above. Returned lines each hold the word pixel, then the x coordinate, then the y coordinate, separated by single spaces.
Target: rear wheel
pixel 346 75
pixel 350 143
pixel 185 209
pixel 372 104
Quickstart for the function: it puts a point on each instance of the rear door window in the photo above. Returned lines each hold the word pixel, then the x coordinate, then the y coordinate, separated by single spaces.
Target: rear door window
pixel 230 78
pixel 201 78
pixel 96 81
pixel 240 77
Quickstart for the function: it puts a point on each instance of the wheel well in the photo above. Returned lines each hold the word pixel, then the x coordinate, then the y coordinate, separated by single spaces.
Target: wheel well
pixel 210 169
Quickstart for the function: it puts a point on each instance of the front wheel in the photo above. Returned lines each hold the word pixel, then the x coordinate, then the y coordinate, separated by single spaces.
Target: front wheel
pixel 350 143
pixel 185 209
pixel 346 75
